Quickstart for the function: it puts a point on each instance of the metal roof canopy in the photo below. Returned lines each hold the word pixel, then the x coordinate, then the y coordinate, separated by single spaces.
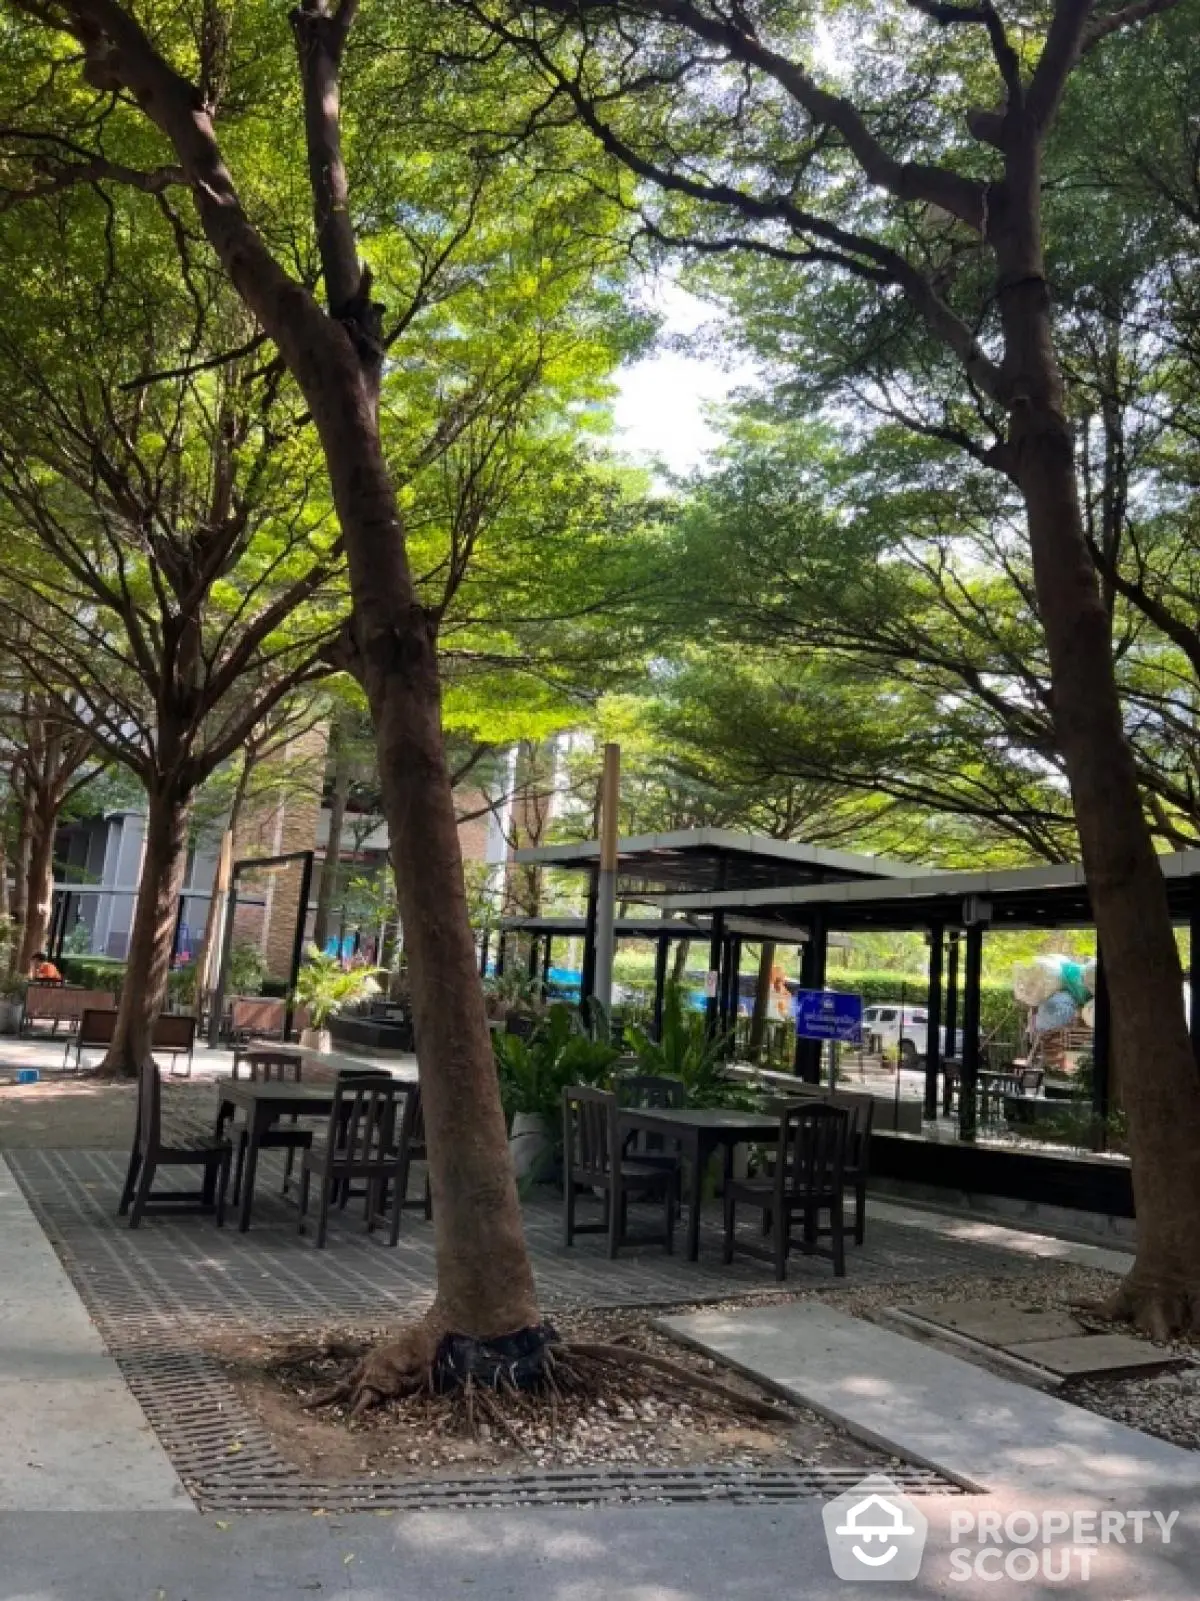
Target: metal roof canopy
pixel 692 860
pixel 1051 896
pixel 651 928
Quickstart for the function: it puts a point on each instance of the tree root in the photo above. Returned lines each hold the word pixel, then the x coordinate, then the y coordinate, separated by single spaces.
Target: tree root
pixel 685 1378
pixel 1161 1309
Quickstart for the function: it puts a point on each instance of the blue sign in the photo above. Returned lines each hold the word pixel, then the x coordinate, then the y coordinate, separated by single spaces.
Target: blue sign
pixel 826 1015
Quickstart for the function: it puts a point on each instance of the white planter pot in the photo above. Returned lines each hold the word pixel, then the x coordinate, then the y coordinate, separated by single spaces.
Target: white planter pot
pixel 528 1144
pixel 316 1039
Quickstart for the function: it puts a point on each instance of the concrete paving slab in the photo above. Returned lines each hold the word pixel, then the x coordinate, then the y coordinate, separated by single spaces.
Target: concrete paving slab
pixel 997 1322
pixel 964 1228
pixel 1095 1356
pixel 938 1410
pixel 73 1438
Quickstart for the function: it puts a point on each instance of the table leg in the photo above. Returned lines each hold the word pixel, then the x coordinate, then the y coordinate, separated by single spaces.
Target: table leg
pixel 224 1115
pixel 257 1125
pixel 697 1154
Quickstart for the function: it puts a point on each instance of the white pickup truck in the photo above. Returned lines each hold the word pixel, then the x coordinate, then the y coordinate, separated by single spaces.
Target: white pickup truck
pixel 889 1028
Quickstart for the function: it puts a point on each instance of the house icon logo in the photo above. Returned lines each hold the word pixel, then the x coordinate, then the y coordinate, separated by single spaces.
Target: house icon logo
pixel 875 1532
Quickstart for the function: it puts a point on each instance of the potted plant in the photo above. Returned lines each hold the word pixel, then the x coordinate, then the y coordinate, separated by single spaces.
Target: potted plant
pixel 323 988
pixel 534 1071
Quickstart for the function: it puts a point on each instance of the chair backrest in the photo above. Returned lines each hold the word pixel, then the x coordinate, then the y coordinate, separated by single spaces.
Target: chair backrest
pixel 813 1137
pixel 590 1137
pixel 149 1123
pixel 650 1090
pixel 97 1025
pixel 265 1065
pixel 363 1120
pixel 861 1111
pixel 412 1123
pixel 173 1031
pixel 59 1001
pixel 1031 1080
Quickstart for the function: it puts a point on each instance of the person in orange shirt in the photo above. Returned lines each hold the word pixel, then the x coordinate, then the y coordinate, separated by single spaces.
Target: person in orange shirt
pixel 44 970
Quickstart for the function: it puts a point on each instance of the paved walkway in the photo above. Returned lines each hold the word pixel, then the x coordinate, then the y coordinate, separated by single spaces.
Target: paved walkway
pixel 647 1553
pixel 72 1436
pixel 914 1400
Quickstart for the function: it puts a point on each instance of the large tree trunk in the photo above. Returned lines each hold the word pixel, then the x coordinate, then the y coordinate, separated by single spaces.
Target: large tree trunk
pixel 1160 1084
pixel 762 996
pixel 39 880
pixel 20 876
pixel 331 866
pixel 148 964
pixel 485 1285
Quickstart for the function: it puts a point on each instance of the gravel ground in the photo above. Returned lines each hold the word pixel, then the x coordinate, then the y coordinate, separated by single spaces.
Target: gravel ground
pixel 635 1417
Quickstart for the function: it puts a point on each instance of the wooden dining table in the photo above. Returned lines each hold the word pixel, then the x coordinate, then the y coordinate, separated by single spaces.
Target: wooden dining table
pixel 697 1132
pixel 264 1104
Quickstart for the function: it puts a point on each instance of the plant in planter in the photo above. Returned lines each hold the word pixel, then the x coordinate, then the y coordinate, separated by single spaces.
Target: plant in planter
pixel 325 988
pixel 513 993
pixel 247 969
pixel 533 1074
pixel 685 1051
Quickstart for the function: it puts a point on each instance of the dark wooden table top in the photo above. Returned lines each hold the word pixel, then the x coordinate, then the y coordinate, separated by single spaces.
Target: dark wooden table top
pixel 707 1120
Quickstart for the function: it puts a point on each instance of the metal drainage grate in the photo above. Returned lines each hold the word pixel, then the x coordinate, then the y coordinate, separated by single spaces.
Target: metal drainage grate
pixel 229 1462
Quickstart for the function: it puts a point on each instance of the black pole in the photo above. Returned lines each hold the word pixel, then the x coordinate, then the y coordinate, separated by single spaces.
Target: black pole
pixel 716 950
pixel 953 940
pixel 1194 971
pixel 178 926
pixel 730 988
pixel 587 976
pixel 218 1000
pixel 306 872
pixel 933 1035
pixel 547 944
pixel 968 1084
pixel 485 943
pixel 500 953
pixel 1101 1052
pixel 813 958
pixel 532 962
pixel 661 958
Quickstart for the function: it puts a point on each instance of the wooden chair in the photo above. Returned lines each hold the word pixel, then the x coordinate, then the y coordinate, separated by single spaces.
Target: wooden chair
pixel 149 1154
pixel 592 1157
pixel 360 1143
pixel 809 1178
pixel 264 1064
pixel 652 1090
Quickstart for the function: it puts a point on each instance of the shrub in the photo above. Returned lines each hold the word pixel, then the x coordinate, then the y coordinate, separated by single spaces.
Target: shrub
pixel 247 969
pixel 93 972
pixel 1000 1014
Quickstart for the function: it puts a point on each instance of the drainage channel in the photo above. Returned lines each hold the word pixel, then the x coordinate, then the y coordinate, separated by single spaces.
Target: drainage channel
pixel 229 1462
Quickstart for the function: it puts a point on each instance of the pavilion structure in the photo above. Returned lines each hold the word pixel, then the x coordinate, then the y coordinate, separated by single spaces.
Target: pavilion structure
pixel 688 865
pixel 954 910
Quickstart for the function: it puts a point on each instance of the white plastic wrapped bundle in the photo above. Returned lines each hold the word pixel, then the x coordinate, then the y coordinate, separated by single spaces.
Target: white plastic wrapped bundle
pixel 1057 1011
pixel 1088 1016
pixel 1035 982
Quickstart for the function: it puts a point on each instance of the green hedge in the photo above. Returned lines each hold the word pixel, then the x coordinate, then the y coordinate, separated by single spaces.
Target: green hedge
pixel 1001 1016
pixel 93 972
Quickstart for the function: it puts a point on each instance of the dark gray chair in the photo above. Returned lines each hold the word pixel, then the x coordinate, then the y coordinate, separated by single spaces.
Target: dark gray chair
pixel 593 1159
pixel 149 1153
pixel 808 1180
pixel 360 1143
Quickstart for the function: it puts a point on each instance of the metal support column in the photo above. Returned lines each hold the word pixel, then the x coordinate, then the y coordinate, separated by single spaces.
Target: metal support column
pixel 532 961
pixel 933 1046
pixel 306 874
pixel 661 958
pixel 547 962
pixel 969 1083
pixel 813 960
pixel 587 974
pixel 1194 971
pixel 485 943
pixel 716 948
pixel 501 953
pixel 606 884
pixel 1101 1052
